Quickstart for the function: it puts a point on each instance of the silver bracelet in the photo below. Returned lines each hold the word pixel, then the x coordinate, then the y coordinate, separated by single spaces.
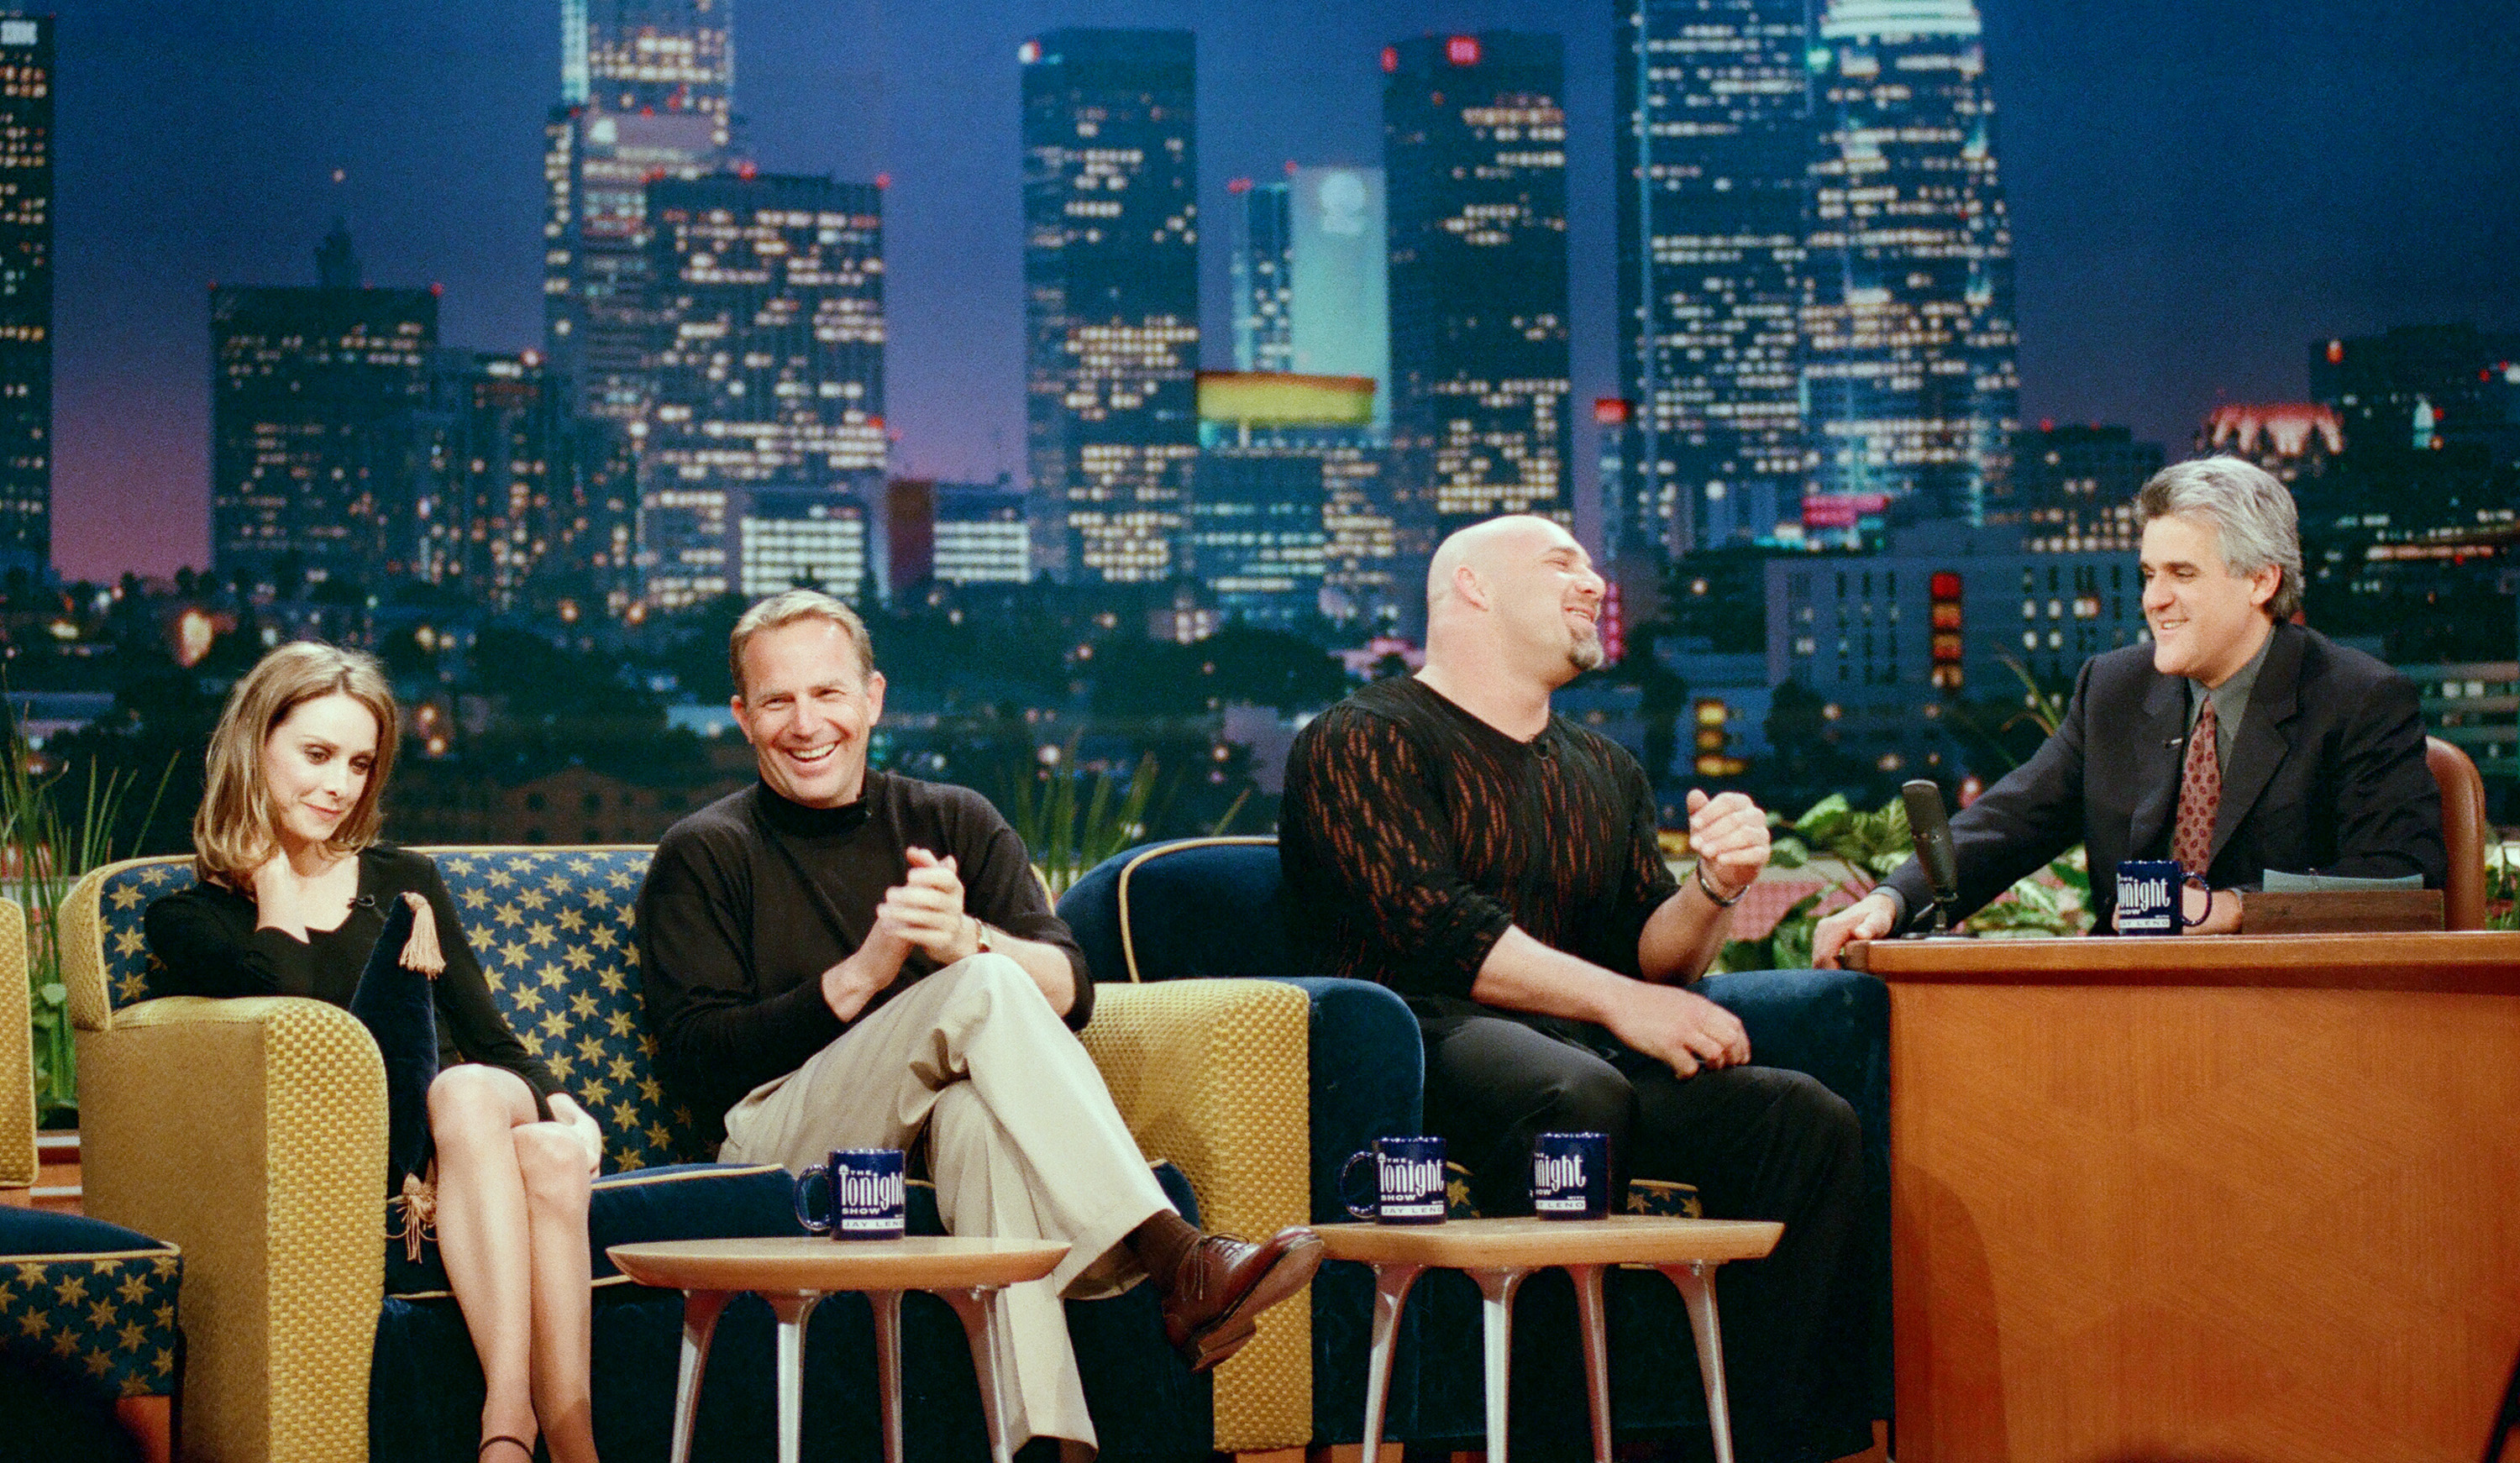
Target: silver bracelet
pixel 1707 889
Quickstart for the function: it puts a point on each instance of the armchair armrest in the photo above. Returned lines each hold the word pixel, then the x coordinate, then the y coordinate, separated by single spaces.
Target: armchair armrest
pixel 1212 1075
pixel 17 1058
pixel 250 1132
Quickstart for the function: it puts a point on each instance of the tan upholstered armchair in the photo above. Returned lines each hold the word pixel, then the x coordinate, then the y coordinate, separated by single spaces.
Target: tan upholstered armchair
pixel 251 1133
pixel 17 1055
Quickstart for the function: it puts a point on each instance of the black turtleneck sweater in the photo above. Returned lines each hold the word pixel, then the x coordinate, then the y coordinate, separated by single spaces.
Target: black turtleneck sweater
pixel 750 899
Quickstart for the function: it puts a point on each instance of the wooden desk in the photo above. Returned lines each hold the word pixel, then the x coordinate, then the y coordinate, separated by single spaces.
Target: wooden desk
pixel 2248 1199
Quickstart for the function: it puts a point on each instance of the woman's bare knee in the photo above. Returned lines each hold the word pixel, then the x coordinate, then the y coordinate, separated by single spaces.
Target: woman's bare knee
pixel 476 1099
pixel 552 1164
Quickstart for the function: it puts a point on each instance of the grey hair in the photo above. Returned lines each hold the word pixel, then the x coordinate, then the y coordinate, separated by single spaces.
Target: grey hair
pixel 786 608
pixel 2252 515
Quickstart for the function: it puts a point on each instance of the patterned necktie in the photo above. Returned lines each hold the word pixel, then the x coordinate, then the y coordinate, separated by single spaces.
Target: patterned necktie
pixel 2200 795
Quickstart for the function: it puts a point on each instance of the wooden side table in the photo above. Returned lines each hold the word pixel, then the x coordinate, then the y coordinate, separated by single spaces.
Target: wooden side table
pixel 1498 1252
pixel 795 1273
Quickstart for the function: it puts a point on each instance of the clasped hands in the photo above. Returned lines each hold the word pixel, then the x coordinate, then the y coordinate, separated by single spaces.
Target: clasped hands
pixel 922 913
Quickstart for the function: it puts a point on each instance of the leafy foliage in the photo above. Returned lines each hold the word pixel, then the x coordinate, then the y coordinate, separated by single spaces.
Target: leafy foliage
pixel 1851 850
pixel 2503 887
pixel 50 835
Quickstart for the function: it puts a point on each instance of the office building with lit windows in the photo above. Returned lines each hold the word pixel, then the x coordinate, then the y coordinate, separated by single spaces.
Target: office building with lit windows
pixel 525 503
pixel 1319 233
pixel 321 436
pixel 2073 488
pixel 1256 531
pixel 766 404
pixel 26 293
pixel 1110 300
pixel 2422 389
pixel 646 92
pixel 1946 613
pixel 981 534
pixel 1474 160
pixel 1713 151
pixel 1261 270
pixel 803 538
pixel 1908 327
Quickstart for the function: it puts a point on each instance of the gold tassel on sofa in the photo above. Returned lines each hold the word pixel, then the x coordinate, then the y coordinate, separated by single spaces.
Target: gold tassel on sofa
pixel 419 1204
pixel 421 951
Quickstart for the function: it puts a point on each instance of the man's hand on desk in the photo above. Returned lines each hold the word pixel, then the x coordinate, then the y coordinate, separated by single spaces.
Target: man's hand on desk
pixel 1867 918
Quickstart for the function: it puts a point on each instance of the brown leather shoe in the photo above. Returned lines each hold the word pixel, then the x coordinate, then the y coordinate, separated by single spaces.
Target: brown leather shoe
pixel 1223 1284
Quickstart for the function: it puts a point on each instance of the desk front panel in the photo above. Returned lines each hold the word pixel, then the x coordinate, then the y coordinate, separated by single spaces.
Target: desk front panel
pixel 2208 1223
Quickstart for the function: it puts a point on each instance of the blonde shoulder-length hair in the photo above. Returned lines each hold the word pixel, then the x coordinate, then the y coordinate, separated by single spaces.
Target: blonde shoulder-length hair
pixel 233 833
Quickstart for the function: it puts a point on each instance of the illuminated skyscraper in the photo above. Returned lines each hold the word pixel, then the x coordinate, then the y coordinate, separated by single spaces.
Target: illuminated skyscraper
pixel 1909 326
pixel 646 87
pixel 767 408
pixel 1474 151
pixel 1263 267
pixel 320 437
pixel 1111 299
pixel 525 504
pixel 2073 488
pixel 25 293
pixel 1708 352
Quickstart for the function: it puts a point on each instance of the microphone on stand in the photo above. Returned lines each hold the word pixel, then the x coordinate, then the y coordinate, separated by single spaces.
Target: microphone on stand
pixel 1931 829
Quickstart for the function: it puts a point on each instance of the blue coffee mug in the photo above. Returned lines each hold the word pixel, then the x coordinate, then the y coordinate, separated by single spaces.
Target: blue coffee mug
pixel 1407 1181
pixel 868 1197
pixel 1571 1175
pixel 2149 901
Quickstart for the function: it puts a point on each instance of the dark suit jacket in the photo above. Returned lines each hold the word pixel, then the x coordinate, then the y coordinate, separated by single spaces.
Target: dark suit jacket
pixel 2328 774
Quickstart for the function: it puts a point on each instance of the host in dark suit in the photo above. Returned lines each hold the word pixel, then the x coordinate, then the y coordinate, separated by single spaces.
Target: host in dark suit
pixel 2316 758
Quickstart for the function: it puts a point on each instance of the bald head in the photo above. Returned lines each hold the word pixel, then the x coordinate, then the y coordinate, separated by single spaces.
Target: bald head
pixel 1482 547
pixel 1517 593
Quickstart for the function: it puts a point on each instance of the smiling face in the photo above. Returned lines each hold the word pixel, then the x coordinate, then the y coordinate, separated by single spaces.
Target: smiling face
pixel 807 711
pixel 316 764
pixel 1547 600
pixel 2206 621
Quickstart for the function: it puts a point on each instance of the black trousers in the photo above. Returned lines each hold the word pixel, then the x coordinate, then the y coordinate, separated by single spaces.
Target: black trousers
pixel 1758 1143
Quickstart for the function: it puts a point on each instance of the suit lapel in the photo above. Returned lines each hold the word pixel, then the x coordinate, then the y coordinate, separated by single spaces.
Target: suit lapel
pixel 2263 738
pixel 2158 745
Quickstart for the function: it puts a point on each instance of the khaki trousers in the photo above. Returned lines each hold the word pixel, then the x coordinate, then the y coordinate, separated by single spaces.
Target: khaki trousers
pixel 1023 1143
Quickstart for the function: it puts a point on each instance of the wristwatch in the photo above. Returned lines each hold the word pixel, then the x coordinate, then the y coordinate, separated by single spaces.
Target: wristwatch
pixel 984 938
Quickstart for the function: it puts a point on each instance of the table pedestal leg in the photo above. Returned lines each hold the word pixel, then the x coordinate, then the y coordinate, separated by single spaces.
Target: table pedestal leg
pixel 1391 1284
pixel 978 1307
pixel 791 1309
pixel 701 1309
pixel 1696 1282
pixel 886 1305
pixel 1597 1352
pixel 1498 1287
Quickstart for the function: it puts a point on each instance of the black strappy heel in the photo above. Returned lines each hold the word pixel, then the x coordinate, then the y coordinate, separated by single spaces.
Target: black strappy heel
pixel 499 1437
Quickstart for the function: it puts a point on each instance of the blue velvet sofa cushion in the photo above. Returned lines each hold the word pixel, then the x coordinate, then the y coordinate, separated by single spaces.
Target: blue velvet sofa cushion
pixel 89 1304
pixel 677 1201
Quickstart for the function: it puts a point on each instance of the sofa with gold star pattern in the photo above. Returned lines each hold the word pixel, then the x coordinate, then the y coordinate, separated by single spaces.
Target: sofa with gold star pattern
pixel 252 1131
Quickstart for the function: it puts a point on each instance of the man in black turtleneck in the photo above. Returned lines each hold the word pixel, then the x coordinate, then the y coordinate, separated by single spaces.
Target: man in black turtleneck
pixel 842 958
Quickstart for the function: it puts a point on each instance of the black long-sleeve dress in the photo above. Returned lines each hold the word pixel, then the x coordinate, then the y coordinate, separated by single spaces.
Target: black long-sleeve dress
pixel 207 939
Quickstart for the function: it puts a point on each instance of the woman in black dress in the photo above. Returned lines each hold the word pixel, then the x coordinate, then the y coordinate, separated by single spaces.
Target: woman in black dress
pixel 293 893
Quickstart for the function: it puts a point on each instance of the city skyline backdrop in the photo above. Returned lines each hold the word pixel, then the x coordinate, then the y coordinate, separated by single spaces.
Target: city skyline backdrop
pixel 2194 198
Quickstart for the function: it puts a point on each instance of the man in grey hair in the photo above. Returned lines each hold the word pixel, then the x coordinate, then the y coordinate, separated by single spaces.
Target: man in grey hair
pixel 2235 742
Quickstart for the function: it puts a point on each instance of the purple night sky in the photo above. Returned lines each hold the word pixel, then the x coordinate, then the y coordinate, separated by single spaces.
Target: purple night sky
pixel 2198 189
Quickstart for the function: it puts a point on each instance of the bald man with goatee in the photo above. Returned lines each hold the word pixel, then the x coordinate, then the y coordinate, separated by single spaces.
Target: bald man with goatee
pixel 1448 835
